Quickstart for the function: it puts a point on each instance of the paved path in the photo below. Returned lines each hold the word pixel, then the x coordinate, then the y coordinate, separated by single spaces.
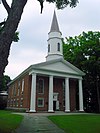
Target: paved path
pixel 37 123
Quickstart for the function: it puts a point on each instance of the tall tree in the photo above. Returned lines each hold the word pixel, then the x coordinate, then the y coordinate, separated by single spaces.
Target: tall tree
pixel 5 80
pixel 11 24
pixel 84 52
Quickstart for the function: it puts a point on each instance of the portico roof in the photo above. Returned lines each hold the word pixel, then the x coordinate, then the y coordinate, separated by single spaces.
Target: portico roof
pixel 56 67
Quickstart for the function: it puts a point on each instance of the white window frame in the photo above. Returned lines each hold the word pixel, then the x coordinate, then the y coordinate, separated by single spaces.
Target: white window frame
pixel 17 102
pixel 19 87
pixel 48 48
pixel 42 105
pixel 42 86
pixel 21 102
pixel 23 85
pixel 58 46
pixel 14 87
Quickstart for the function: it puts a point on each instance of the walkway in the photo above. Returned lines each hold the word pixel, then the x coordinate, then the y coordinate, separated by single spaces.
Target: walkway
pixel 38 123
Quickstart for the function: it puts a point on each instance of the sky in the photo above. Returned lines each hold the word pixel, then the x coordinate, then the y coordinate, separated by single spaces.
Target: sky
pixel 34 28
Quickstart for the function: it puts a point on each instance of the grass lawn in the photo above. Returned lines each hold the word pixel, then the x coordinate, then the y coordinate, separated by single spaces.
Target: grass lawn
pixel 8 121
pixel 78 123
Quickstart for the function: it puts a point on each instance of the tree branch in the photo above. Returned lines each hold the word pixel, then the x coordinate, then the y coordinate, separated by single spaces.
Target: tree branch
pixel 5 4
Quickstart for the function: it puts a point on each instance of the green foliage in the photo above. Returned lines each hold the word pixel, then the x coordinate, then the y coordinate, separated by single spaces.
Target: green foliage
pixel 3 102
pixel 16 37
pixel 78 123
pixel 60 4
pixel 5 80
pixel 83 51
pixel 9 122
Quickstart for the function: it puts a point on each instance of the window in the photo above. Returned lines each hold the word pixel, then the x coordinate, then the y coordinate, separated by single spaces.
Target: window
pixel 41 86
pixel 14 87
pixel 21 102
pixel 14 102
pixel 48 47
pixel 12 90
pixel 18 87
pixel 58 48
pixel 17 102
pixel 11 102
pixel 22 86
pixel 18 91
pixel 40 102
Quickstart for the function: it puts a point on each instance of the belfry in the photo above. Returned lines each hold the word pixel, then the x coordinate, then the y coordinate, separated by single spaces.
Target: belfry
pixel 55 50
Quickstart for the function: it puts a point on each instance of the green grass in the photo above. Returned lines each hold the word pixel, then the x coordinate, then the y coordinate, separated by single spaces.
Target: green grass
pixel 9 121
pixel 78 123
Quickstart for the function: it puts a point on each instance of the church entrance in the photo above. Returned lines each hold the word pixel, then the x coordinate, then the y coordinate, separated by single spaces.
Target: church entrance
pixel 54 105
pixel 55 102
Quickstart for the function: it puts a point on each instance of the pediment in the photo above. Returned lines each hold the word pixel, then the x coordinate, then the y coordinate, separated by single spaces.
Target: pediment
pixel 60 66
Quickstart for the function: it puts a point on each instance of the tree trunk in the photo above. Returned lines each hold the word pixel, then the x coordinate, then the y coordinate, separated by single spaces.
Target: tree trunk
pixel 8 32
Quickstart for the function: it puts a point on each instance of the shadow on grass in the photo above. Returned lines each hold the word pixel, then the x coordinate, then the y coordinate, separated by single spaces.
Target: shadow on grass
pixel 9 121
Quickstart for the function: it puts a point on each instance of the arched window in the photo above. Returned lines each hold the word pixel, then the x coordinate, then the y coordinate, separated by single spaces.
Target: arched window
pixel 48 47
pixel 41 86
pixel 58 46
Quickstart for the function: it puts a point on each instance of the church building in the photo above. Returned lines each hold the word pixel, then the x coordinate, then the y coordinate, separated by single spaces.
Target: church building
pixel 48 86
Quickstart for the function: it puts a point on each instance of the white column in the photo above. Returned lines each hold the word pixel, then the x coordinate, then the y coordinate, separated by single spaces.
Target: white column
pixel 33 94
pixel 80 96
pixel 50 108
pixel 67 97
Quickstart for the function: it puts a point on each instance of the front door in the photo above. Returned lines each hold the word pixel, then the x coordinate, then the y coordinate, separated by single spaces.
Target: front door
pixel 54 105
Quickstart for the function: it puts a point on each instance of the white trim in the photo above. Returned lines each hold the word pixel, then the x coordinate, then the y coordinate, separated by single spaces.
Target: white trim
pixel 67 97
pixel 36 67
pixel 40 106
pixel 33 94
pixel 22 85
pixel 56 73
pixel 42 86
pixel 50 108
pixel 80 96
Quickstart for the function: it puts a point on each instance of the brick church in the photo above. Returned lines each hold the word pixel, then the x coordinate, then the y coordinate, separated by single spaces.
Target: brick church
pixel 48 86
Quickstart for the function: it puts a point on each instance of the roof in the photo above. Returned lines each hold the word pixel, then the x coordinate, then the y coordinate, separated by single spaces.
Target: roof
pixel 59 66
pixel 52 63
pixel 54 25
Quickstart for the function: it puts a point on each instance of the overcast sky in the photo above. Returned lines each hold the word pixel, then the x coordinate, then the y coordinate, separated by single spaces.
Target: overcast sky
pixel 34 28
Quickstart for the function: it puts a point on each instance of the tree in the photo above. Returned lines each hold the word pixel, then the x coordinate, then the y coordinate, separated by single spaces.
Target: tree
pixel 5 80
pixel 84 52
pixel 11 24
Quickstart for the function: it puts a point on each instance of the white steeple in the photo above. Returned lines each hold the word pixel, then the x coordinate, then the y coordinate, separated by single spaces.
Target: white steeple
pixel 55 50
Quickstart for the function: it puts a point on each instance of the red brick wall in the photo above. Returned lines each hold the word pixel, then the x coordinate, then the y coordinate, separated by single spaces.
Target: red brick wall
pixel 18 98
pixel 58 88
pixel 72 85
pixel 44 95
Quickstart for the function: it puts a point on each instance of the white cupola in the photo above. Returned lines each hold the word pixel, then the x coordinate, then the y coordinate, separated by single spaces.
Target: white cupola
pixel 55 49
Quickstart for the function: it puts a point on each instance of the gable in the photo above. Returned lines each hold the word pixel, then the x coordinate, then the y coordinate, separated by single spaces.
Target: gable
pixel 60 66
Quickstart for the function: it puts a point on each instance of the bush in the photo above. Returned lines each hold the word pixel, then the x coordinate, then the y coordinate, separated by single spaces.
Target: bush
pixel 3 102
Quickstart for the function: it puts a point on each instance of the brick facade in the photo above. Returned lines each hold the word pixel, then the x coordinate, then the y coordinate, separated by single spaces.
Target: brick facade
pixel 20 99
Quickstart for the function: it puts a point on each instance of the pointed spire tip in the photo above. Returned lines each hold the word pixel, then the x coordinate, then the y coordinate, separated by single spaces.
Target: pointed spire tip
pixel 54 25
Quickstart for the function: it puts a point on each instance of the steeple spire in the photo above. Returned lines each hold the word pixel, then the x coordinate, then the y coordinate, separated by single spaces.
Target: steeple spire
pixel 55 49
pixel 54 25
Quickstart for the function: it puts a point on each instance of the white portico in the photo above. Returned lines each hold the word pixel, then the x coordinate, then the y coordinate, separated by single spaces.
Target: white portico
pixel 49 69
pixel 53 70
